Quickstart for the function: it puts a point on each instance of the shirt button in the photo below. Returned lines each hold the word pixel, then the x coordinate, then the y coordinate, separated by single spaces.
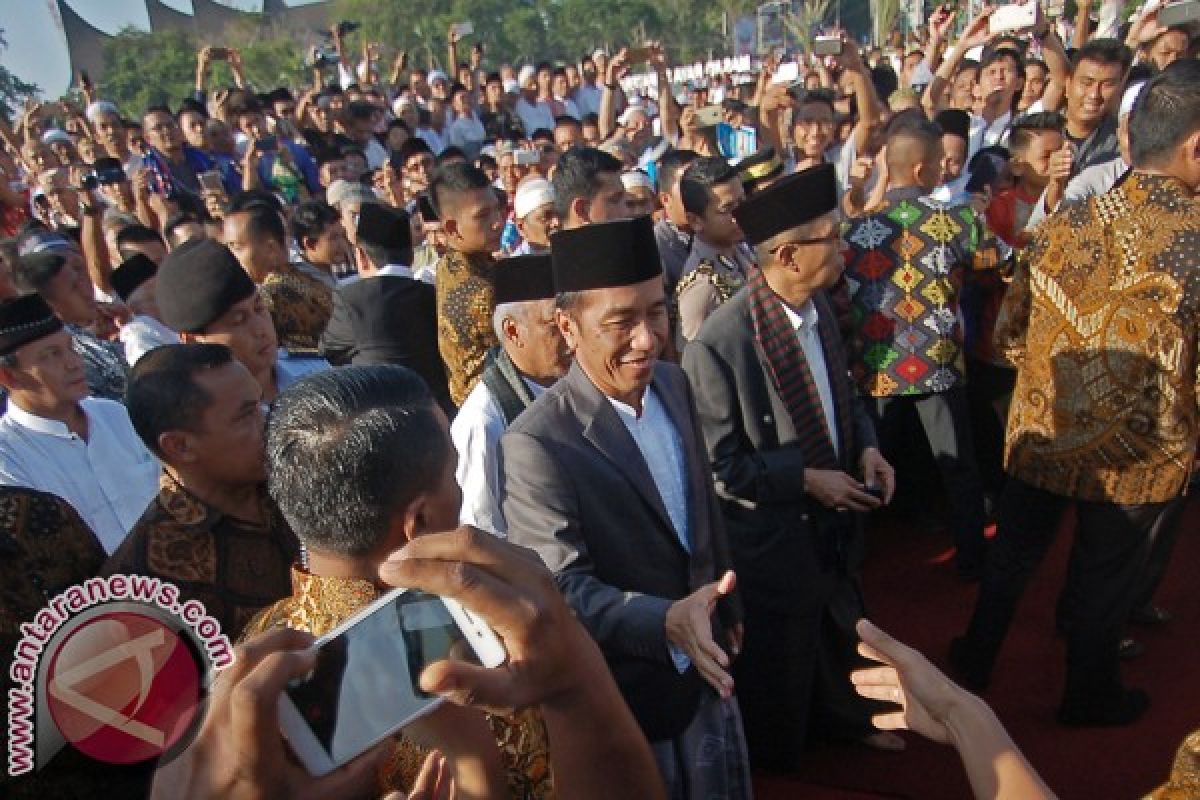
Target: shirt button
pixel 767 419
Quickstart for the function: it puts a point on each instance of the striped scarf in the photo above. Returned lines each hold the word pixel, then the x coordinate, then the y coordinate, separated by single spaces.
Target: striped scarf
pixel 792 379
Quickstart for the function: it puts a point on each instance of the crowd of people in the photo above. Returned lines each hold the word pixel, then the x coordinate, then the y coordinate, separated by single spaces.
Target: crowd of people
pixel 564 350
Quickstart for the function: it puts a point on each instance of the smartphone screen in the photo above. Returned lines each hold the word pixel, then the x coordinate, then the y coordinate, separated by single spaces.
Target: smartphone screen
pixel 267 144
pixel 211 181
pixel 364 684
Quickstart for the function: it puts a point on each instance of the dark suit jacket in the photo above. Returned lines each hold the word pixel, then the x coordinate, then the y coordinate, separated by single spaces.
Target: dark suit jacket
pixel 387 319
pixel 577 490
pixel 759 468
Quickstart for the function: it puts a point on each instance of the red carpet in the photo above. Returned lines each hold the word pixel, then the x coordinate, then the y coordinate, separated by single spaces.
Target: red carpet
pixel 915 596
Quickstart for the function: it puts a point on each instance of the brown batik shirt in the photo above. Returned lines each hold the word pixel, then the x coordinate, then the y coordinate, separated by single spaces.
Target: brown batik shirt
pixel 465 302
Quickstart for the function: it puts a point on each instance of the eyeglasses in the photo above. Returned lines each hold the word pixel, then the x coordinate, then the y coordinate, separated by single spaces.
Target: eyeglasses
pixel 836 236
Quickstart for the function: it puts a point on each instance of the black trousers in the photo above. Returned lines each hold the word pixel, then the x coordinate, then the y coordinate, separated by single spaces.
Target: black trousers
pixel 947 424
pixel 1108 557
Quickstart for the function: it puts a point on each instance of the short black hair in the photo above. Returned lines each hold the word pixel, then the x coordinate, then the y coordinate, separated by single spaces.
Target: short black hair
pixel 578 175
pixel 823 96
pixel 695 187
pixel 136 234
pixel 542 133
pixel 310 219
pixel 252 198
pixel 411 147
pixel 360 110
pixel 1027 125
pixel 1167 112
pixel 967 64
pixel 671 164
pixel 566 120
pixel 994 54
pixel 163 395
pixel 176 221
pixel 454 179
pixel 263 222
pixel 1103 51
pixel 451 153
pixel 348 449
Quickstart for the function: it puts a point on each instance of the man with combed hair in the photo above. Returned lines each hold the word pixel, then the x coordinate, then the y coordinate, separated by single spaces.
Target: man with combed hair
pixel 606 477
pixel 1081 328
pixel 472 222
pixel 588 188
pixel 360 462
pixel 212 531
pixel 56 438
pixel 531 357
pixel 795 458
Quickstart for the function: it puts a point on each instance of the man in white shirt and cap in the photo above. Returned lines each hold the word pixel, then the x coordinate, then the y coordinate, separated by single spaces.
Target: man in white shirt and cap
pixel 532 356
pixel 55 438
pixel 536 216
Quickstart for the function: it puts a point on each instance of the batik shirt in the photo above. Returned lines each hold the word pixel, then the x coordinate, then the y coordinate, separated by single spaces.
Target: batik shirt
pixel 905 266
pixel 465 302
pixel 1102 321
pixel 300 307
pixel 319 604
pixel 233 566
pixel 103 364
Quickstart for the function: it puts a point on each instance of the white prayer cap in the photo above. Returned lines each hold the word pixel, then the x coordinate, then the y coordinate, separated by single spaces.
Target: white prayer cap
pixel 343 191
pixel 636 179
pixel 512 86
pixel 599 53
pixel 1130 97
pixel 101 107
pixel 56 135
pixel 527 73
pixel 437 75
pixel 627 114
pixel 532 195
pixel 402 102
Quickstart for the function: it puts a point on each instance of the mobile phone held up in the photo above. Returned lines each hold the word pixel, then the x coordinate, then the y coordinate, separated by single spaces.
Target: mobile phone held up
pixel 462 29
pixel 1013 17
pixel 1184 12
pixel 364 685
pixel 827 46
pixel 267 144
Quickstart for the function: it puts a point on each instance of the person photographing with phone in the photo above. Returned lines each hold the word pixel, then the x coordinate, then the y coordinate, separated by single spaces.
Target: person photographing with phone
pixel 380 432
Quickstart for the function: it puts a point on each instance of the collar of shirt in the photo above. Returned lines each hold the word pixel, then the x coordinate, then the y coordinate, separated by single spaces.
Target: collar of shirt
pixel 626 410
pixel 903 193
pixel 50 427
pixel 804 318
pixel 536 389
pixel 394 270
pixel 316 273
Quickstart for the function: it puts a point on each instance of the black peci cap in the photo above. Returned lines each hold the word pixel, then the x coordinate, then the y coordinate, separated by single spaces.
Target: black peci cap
pixel 605 255
pixel 198 282
pixel 132 273
pixel 23 320
pixel 521 279
pixel 788 203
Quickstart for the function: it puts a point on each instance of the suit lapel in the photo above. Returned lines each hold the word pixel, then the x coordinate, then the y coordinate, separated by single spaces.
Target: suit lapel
pixel 835 373
pixel 605 431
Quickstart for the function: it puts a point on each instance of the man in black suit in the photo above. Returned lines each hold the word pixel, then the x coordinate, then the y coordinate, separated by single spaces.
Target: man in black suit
pixel 606 477
pixel 795 460
pixel 386 316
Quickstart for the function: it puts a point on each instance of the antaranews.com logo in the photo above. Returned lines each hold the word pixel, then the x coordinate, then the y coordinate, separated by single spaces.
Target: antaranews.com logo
pixel 117 667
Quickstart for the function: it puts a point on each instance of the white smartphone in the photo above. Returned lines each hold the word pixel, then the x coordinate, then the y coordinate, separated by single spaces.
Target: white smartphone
pixel 364 685
pixel 526 157
pixel 464 29
pixel 827 46
pixel 786 73
pixel 1013 17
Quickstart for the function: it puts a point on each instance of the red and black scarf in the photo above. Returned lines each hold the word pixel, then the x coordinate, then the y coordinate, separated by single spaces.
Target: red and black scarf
pixel 793 380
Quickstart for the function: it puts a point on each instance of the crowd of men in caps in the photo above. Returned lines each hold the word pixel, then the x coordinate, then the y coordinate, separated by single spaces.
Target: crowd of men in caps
pixel 256 343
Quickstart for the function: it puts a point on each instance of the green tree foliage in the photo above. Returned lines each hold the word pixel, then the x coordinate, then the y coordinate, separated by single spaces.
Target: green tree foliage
pixel 13 91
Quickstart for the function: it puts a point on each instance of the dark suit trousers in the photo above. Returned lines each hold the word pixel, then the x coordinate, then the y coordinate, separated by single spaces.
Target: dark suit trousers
pixel 1108 557
pixel 947 423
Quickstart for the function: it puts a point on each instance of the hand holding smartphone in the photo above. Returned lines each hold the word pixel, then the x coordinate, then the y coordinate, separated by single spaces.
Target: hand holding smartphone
pixel 365 684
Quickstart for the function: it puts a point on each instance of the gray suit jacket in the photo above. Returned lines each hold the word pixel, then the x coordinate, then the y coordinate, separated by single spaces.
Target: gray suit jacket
pixel 577 490
pixel 758 467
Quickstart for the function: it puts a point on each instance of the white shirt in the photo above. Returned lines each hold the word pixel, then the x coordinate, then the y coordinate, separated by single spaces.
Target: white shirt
pixel 985 135
pixel 476 433
pixel 109 479
pixel 142 334
pixel 656 437
pixel 805 322
pixel 534 115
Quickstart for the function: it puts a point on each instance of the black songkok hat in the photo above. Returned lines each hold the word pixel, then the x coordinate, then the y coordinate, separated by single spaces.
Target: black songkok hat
pixel 954 121
pixel 23 320
pixel 521 279
pixel 132 273
pixel 383 226
pixel 788 203
pixel 198 282
pixel 425 207
pixel 759 169
pixel 605 255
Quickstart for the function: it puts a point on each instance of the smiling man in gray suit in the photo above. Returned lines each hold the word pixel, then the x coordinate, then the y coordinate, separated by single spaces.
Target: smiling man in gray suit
pixel 606 477
pixel 794 456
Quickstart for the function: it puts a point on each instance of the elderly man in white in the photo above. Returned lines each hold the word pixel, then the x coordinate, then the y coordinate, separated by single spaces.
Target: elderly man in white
pixel 55 438
pixel 532 356
pixel 536 216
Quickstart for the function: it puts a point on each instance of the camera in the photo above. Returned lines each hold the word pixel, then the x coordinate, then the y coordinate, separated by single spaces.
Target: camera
pixel 320 57
pixel 89 182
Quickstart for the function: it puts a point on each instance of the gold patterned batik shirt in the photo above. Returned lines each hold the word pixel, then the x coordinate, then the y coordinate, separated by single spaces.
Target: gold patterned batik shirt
pixel 1101 323
pixel 1184 783
pixel 235 567
pixel 300 307
pixel 318 605
pixel 465 302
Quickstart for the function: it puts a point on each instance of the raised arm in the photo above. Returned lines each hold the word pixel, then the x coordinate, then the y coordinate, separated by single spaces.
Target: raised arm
pixel 975 34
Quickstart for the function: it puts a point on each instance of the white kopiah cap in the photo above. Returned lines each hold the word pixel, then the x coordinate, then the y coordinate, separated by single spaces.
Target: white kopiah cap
pixel 526 74
pixel 532 195
pixel 636 179
pixel 1130 97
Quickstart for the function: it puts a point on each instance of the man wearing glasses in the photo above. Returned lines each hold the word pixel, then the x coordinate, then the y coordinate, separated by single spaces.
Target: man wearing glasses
pixel 794 457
